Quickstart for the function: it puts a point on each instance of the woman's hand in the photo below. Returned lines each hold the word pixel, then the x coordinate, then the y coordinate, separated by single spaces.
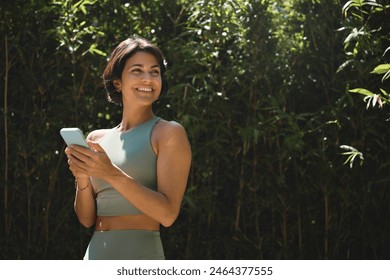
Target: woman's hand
pixel 74 163
pixel 84 162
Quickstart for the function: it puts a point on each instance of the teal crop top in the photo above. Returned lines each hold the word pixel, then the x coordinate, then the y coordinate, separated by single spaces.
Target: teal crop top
pixel 132 152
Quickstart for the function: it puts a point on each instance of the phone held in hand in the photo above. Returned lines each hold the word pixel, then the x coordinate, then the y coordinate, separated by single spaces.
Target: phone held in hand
pixel 73 136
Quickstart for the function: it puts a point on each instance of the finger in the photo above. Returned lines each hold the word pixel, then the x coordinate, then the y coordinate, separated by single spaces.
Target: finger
pixel 80 153
pixel 67 151
pixel 96 146
pixel 75 162
pixel 77 167
pixel 80 149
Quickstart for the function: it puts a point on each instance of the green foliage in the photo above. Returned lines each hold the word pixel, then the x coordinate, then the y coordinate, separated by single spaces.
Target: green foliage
pixel 352 154
pixel 260 88
pixel 372 98
pixel 366 48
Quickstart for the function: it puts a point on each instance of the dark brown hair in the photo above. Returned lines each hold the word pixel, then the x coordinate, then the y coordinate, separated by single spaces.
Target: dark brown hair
pixel 117 61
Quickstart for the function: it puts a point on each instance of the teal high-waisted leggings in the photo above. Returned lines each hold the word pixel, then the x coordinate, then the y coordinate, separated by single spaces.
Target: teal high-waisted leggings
pixel 125 245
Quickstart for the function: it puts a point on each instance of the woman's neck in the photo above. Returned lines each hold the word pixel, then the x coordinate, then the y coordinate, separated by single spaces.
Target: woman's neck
pixel 132 118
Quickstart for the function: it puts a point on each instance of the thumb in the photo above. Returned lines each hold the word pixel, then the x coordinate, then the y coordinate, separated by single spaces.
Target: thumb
pixel 95 146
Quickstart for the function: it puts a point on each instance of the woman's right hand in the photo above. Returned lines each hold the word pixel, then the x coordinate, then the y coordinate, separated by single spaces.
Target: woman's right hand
pixel 74 166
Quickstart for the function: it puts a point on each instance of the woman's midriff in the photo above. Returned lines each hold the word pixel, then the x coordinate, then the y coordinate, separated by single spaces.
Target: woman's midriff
pixel 104 223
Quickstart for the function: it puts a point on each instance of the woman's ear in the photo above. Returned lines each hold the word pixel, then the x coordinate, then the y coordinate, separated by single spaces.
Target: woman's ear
pixel 117 84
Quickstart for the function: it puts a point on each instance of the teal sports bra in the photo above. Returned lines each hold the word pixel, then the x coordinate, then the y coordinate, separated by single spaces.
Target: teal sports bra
pixel 132 152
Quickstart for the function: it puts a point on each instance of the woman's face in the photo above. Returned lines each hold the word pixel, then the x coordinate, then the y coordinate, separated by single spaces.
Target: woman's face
pixel 141 79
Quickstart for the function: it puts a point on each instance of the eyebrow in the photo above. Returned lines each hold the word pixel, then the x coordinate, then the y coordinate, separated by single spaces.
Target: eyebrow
pixel 141 65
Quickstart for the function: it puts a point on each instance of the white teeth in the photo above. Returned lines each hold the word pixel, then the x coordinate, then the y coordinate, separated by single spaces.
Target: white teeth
pixel 145 89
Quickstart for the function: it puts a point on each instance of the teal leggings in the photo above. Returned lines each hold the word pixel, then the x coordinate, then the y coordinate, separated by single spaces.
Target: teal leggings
pixel 125 245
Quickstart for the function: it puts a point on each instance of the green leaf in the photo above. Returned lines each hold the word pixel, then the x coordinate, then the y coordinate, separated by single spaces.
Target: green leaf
pixel 386 76
pixel 348 5
pixel 345 64
pixel 381 69
pixel 83 9
pixel 384 92
pixel 384 53
pixel 352 153
pixel 362 91
pixel 372 3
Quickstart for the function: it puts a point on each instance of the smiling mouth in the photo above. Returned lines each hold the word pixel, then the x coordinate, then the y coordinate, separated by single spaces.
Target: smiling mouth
pixel 143 89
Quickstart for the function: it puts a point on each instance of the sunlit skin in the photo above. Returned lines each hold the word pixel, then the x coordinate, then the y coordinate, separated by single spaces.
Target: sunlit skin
pixel 140 85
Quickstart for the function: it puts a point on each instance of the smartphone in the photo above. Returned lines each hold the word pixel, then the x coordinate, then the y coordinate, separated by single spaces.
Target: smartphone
pixel 73 136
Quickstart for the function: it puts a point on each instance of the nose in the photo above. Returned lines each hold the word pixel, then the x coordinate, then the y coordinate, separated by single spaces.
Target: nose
pixel 146 78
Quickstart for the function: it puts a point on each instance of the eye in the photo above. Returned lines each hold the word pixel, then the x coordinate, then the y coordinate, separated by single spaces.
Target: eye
pixel 155 72
pixel 136 70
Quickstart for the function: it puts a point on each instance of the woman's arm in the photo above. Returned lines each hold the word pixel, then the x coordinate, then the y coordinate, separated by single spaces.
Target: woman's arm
pixel 84 202
pixel 173 165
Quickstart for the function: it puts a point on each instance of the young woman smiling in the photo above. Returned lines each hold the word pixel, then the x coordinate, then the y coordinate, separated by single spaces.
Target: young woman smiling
pixel 133 178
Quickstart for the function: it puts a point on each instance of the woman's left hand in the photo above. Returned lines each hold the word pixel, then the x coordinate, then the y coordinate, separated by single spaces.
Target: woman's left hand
pixel 93 162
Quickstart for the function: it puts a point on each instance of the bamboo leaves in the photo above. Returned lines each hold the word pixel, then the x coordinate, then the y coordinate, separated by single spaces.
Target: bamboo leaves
pixel 255 84
pixel 376 99
pixel 352 154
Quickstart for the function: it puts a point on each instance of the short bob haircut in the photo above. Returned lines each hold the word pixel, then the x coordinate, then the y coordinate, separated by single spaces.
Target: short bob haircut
pixel 117 61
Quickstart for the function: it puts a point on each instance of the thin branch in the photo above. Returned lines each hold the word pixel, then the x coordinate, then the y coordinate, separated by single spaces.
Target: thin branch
pixel 6 214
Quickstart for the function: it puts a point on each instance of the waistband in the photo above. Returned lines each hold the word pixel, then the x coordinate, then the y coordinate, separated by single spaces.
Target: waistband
pixel 132 244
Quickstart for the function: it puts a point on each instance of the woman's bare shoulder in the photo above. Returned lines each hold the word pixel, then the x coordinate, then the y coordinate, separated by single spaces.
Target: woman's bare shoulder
pixel 96 135
pixel 169 127
pixel 170 136
pixel 169 132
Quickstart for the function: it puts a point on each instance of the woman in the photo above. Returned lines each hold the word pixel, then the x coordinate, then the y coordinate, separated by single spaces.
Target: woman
pixel 133 178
